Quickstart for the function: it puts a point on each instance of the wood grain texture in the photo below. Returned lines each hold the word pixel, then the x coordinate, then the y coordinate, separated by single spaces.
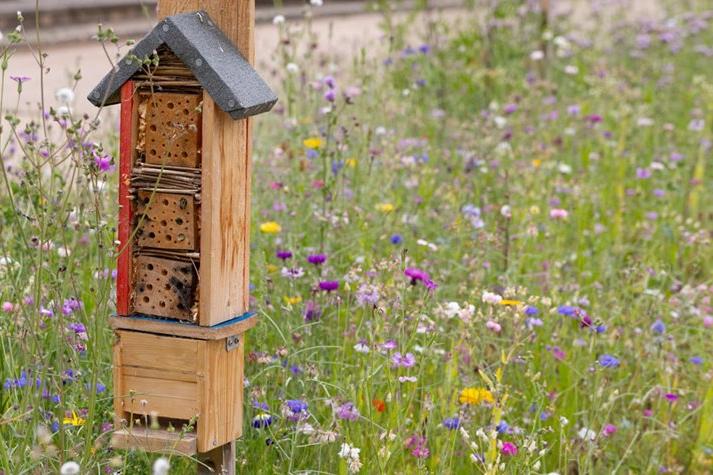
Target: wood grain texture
pixel 154 441
pixel 221 415
pixel 144 350
pixel 127 141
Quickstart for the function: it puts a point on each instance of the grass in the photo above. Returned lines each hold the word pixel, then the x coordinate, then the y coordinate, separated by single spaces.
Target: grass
pixel 555 190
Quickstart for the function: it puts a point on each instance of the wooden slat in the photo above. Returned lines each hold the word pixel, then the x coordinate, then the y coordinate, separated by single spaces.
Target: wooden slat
pixel 154 441
pixel 225 223
pixel 126 161
pixel 221 399
pixel 167 327
pixel 145 350
pixel 162 397
pixel 154 373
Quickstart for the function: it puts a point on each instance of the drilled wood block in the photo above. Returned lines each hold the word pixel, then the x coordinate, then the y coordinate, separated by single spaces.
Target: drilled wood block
pixel 166 221
pixel 173 129
pixel 168 378
pixel 164 287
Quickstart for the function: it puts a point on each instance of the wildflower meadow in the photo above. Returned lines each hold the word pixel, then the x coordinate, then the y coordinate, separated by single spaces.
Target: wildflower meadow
pixel 481 244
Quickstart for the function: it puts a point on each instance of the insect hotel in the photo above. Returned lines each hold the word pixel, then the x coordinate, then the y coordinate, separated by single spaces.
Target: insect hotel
pixel 183 237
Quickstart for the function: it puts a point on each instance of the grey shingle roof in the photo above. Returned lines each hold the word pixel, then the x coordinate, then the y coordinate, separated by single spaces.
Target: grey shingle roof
pixel 212 58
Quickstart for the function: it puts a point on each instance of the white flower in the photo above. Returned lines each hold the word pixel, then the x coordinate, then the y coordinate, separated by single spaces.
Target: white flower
pixel 361 347
pixel 69 468
pixel 65 95
pixel 586 434
pixel 64 111
pixel 571 69
pixel 380 130
pixel 537 55
pixel 489 297
pixel 645 122
pixel 561 42
pixel 292 68
pixel 563 421
pixel 161 466
pixel 505 211
pixel 564 168
pixel 278 20
pixel 500 121
pixel 316 3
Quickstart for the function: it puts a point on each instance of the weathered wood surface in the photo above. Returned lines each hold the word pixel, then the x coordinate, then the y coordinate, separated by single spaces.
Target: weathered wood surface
pixel 167 327
pixel 226 159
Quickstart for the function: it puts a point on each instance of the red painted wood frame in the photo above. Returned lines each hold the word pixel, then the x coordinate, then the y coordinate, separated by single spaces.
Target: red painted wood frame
pixel 126 163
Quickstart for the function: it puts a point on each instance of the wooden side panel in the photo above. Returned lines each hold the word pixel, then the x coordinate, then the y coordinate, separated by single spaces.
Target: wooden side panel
pixel 127 143
pixel 119 418
pixel 164 397
pixel 225 221
pixel 221 405
pixel 168 354
pixel 154 441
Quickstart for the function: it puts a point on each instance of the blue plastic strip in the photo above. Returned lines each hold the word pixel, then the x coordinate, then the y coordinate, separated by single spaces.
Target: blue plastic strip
pixel 226 323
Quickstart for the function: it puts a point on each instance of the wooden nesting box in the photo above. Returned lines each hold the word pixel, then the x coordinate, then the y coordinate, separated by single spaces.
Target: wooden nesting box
pixel 184 212
pixel 174 377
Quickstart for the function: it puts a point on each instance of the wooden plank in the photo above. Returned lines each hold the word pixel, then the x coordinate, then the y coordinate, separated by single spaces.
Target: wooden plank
pixel 221 399
pixel 219 460
pixel 225 220
pixel 161 352
pixel 157 373
pixel 167 327
pixel 127 136
pixel 154 441
pixel 120 419
pixel 160 397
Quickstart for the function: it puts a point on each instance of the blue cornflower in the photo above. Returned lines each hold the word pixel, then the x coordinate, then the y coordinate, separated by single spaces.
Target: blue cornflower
pixel 567 310
pixel 262 420
pixel 451 423
pixel 608 361
pixel 502 427
pixel 658 327
pixel 396 239
pixel 296 405
pixel 260 405
pixel 696 360
pixel 531 311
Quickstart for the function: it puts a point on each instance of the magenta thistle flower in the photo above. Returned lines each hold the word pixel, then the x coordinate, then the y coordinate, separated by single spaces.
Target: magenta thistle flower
pixel 284 255
pixel 316 259
pixel 348 412
pixel 329 285
pixel 416 274
pixel 508 448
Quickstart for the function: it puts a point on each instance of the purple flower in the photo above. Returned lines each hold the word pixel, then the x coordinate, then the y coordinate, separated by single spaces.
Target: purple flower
pixel 608 430
pixel 567 310
pixel 296 406
pixel 367 295
pixel 388 345
pixel 348 412
pixel 415 274
pixel 284 255
pixel 510 108
pixel 316 259
pixel 671 397
pixel 20 79
pixel 330 82
pixel 329 285
pixel 508 448
pixel 608 361
pixel 531 311
pixel 417 444
pixel 330 95
pixel 658 327
pixel 396 239
pixel 103 162
pixel 451 423
pixel 502 427
pixel 643 173
pixel 403 361
pixel 312 311
pixel 696 360
pixel 261 421
pixel 593 118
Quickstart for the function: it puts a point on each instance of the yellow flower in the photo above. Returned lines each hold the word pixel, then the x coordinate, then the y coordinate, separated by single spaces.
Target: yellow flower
pixel 312 142
pixel 385 207
pixel 351 162
pixel 75 420
pixel 510 302
pixel 270 227
pixel 476 396
pixel 292 300
pixel 536 163
pixel 271 268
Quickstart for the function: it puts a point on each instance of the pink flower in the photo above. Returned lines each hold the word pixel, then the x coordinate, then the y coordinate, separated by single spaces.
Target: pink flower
pixel 7 307
pixel 403 361
pixel 558 213
pixel 708 321
pixel 508 448
pixel 493 326
pixel 608 430
pixel 103 162
pixel 671 397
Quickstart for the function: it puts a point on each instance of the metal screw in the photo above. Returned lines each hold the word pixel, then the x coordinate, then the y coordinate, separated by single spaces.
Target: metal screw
pixel 199 62
pixel 165 27
pixel 231 103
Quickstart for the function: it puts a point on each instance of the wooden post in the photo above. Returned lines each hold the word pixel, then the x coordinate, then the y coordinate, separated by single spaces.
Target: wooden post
pixel 226 193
